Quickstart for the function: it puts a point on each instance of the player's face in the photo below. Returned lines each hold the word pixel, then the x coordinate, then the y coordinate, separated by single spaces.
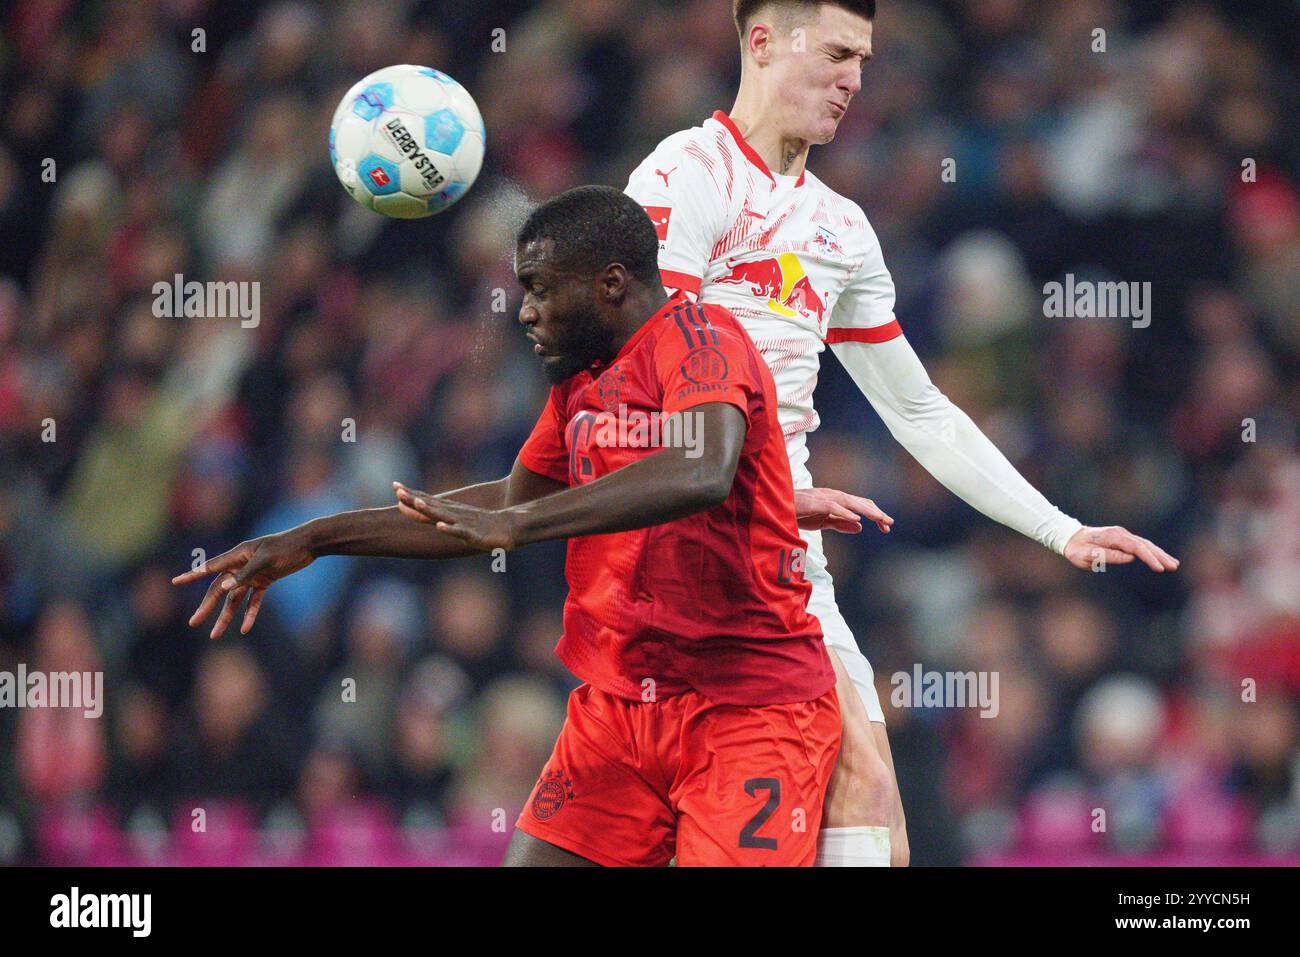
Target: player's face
pixel 560 314
pixel 818 73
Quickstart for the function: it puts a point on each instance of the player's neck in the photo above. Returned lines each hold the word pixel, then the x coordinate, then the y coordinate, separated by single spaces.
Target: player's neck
pixel 641 303
pixel 783 154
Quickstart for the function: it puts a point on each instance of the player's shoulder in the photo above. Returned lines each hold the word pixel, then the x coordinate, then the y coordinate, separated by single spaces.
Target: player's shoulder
pixel 721 327
pixel 844 214
pixel 701 147
pixel 676 142
pixel 721 317
pixel 688 323
pixel 705 344
pixel 709 136
pixel 850 214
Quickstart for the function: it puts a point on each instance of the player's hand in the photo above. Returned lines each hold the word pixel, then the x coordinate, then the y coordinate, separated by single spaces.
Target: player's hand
pixel 483 528
pixel 409 502
pixel 1115 546
pixel 246 571
pixel 818 508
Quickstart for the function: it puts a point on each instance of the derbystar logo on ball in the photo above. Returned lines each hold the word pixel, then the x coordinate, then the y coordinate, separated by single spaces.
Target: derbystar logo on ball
pixel 401 138
pixel 407 141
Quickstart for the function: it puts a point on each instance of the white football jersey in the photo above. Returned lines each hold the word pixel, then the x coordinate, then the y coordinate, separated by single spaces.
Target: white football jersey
pixel 795 262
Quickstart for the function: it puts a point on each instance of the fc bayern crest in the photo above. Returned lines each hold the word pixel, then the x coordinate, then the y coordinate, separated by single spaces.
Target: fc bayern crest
pixel 703 365
pixel 553 790
pixel 608 387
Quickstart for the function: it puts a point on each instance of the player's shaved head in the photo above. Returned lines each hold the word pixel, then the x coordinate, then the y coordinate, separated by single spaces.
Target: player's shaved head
pixel 789 12
pixel 589 264
pixel 593 226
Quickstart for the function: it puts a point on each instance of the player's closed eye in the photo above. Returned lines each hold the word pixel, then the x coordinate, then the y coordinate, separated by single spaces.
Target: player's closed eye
pixel 845 55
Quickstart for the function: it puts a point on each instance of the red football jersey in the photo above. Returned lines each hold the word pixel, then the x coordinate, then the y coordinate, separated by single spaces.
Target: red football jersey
pixel 715 601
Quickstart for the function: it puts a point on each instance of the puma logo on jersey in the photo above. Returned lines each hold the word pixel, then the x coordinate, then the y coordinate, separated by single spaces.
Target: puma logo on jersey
pixel 660 172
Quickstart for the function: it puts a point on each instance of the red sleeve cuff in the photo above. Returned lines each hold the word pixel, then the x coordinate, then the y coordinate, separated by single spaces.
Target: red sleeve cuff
pixel 680 280
pixel 890 330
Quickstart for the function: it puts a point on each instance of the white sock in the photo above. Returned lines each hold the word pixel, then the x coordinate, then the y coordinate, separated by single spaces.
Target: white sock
pixel 853 847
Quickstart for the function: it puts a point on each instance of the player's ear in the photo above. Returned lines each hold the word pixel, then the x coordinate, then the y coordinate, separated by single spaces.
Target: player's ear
pixel 759 43
pixel 614 282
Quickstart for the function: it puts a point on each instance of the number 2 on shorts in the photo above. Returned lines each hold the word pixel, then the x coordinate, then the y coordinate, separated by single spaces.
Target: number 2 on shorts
pixel 773 788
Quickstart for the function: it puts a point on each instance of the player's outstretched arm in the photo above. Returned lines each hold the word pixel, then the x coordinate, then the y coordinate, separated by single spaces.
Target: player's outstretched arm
pixel 659 488
pixel 953 449
pixel 248 569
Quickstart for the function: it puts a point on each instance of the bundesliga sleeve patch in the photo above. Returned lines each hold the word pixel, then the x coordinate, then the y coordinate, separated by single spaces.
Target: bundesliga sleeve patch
pixel 659 216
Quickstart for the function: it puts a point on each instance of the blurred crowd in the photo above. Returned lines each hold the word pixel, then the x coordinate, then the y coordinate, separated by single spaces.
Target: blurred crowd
pixel 388 711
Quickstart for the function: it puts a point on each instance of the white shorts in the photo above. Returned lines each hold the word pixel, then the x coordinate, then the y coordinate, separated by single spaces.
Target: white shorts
pixel 822 603
pixel 834 629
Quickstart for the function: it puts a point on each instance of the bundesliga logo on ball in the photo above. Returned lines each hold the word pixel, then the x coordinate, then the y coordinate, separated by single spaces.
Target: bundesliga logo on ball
pixel 407 141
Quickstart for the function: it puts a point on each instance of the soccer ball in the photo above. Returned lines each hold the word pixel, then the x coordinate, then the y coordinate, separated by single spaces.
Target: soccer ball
pixel 407 141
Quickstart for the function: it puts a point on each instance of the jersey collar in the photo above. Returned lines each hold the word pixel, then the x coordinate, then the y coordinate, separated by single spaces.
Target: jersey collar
pixel 750 153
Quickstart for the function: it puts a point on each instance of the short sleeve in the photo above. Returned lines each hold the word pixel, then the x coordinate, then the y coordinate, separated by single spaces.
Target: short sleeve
pixel 864 311
pixel 678 186
pixel 699 362
pixel 544 451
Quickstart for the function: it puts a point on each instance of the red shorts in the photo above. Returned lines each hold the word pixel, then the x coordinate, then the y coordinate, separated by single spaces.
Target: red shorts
pixel 634 784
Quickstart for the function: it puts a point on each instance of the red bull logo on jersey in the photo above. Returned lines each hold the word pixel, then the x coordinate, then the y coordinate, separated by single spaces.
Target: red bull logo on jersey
pixel 783 282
